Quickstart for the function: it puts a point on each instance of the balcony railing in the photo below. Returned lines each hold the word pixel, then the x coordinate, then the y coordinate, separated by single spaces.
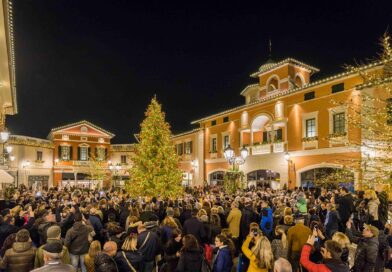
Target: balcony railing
pixel 278 147
pixel 261 149
pixel 80 163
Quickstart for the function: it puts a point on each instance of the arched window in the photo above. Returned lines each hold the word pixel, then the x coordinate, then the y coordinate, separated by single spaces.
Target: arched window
pixel 217 178
pixel 273 84
pixel 298 81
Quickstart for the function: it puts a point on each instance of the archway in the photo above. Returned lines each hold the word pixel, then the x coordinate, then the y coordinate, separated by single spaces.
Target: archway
pixel 273 84
pixel 259 133
pixel 329 176
pixel 216 177
pixel 265 178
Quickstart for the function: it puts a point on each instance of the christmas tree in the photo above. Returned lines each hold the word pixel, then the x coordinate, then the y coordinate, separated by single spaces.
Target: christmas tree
pixel 155 164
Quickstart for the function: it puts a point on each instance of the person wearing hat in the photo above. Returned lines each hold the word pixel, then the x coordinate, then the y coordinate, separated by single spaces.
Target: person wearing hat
pixel 367 246
pixel 52 258
pixel 19 258
pixel 54 236
pixel 296 239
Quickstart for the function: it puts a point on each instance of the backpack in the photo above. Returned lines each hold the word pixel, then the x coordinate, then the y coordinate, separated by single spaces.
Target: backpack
pixel 208 253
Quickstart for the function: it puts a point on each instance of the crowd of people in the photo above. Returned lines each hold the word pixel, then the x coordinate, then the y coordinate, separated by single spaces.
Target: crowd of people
pixel 201 230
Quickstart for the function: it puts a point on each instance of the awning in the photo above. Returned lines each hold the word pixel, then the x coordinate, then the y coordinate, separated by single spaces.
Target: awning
pixel 5 177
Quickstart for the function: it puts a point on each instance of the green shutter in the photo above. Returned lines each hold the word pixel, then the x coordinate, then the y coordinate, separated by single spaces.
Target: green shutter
pixel 78 153
pixel 70 153
pixel 88 154
pixel 59 152
pixel 190 147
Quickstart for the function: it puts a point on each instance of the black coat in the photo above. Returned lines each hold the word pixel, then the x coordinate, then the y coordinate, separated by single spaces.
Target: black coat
pixel 5 230
pixel 346 207
pixel 148 216
pixel 190 261
pixel 150 248
pixel 333 224
pixel 170 250
pixel 366 253
pixel 248 216
pixel 195 227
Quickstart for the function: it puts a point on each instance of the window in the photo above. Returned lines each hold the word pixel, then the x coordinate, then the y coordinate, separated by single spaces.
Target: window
pixel 226 119
pixel 339 123
pixel 389 111
pixel 180 149
pixel 65 152
pixel 188 147
pixel 83 153
pixel 226 141
pixel 213 145
pixel 278 135
pixel 39 155
pixel 337 88
pixel 309 96
pixel 265 137
pixel 213 122
pixel 273 84
pixel 123 159
pixel 100 153
pixel 311 127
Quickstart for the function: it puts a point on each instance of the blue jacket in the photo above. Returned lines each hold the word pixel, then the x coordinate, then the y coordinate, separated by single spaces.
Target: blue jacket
pixel 223 261
pixel 266 223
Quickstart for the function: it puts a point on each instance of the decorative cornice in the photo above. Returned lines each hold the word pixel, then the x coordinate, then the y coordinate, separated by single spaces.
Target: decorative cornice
pixel 83 122
pixel 373 83
pixel 30 141
pixel 122 148
pixel 185 133
pixel 285 61
pixel 290 91
pixel 248 87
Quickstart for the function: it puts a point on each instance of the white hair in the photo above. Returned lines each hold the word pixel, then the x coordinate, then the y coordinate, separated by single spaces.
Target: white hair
pixel 282 265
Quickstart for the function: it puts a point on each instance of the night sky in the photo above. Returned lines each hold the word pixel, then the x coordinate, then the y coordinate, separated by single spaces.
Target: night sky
pixel 104 60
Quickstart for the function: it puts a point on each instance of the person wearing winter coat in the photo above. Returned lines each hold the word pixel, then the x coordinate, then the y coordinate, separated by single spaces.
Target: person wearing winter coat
pixel 195 227
pixel 345 204
pixel 372 206
pixel 331 253
pixel 248 215
pixel 344 242
pixel 367 247
pixel 172 251
pixel 266 223
pixel 191 255
pixel 129 259
pixel 279 244
pixel 19 258
pixel 383 207
pixel 331 223
pixel 234 220
pixel 223 261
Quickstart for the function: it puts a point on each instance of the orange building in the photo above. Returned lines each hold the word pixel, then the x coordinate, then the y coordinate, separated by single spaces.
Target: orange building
pixel 292 127
pixel 74 144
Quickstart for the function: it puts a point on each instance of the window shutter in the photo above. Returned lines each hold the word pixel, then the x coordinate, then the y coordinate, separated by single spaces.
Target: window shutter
pixel 96 153
pixel 106 154
pixel 78 153
pixel 88 155
pixel 59 152
pixel 190 147
pixel 265 136
pixel 70 153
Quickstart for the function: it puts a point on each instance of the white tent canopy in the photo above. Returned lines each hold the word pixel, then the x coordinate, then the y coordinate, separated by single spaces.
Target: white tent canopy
pixel 5 177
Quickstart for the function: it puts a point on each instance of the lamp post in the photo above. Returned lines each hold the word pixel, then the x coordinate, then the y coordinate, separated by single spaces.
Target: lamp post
pixel 232 159
pixel 114 169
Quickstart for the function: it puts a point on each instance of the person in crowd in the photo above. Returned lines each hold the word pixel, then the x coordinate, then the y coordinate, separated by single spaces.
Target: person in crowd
pixel 7 227
pixel 296 239
pixel 148 246
pixel 53 236
pixel 331 223
pixel 288 222
pixel 9 241
pixel 19 258
pixel 331 252
pixel 344 243
pixel 223 261
pixel 129 259
pixel 215 226
pixel 279 244
pixel 234 220
pixel 104 261
pixel 191 255
pixel 77 241
pixel 266 223
pixel 248 215
pixel 345 203
pixel 195 227
pixel 172 251
pixel 260 256
pixel 367 247
pixel 381 191
pixel 95 247
pixel 52 259
pixel 282 265
pixel 372 207
pixel 148 215
pixel 48 220
pixel 167 226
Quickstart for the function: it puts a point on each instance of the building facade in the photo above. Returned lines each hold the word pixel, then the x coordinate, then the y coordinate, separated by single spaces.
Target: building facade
pixel 296 130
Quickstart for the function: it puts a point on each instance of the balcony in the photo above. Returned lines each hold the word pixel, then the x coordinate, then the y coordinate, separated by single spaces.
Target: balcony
pixel 261 149
pixel 279 147
pixel 80 163
pixel 213 154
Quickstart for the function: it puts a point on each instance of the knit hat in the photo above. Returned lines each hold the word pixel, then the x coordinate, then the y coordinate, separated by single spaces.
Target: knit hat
pixel 55 247
pixel 373 229
pixel 53 232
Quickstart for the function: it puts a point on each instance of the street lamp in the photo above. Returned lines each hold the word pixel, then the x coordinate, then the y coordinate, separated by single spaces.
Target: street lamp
pixel 7 149
pixel 114 169
pixel 232 159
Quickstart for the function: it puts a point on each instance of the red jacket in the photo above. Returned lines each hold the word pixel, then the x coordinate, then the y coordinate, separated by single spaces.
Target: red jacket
pixel 331 265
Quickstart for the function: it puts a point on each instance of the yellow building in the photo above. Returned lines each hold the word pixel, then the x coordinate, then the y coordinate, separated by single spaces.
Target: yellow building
pixel 291 126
